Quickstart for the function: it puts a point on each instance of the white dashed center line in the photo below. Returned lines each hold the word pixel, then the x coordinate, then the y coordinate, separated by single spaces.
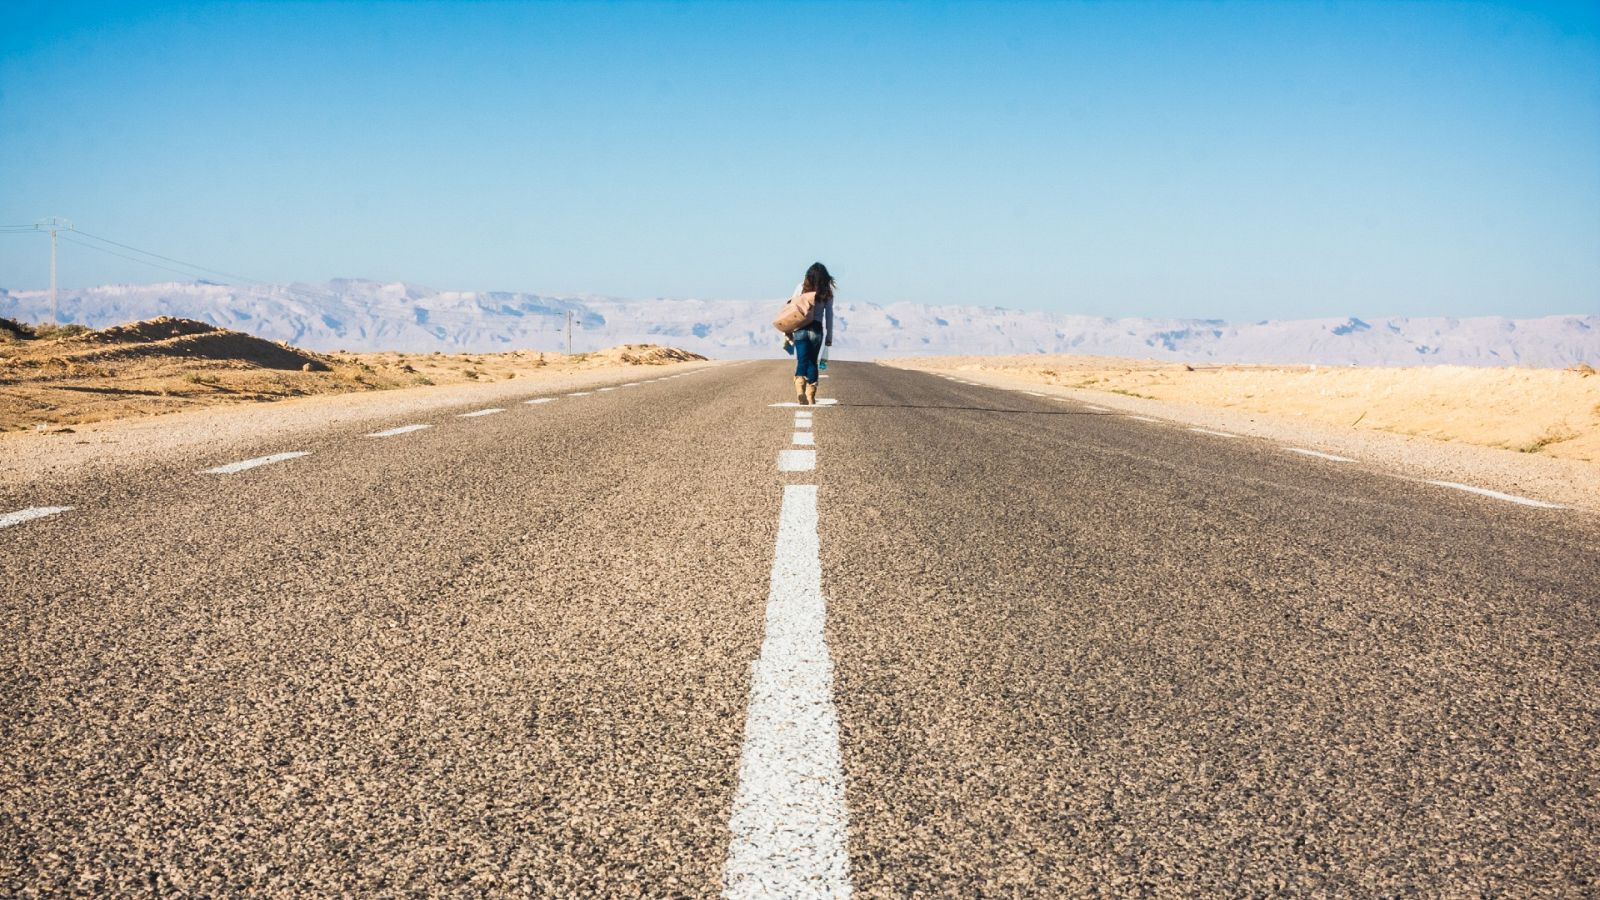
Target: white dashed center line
pixel 789 824
pixel 1319 454
pixel 403 429
pixel 231 468
pixel 540 400
pixel 1510 498
pixel 1144 419
pixel 1095 408
pixel 580 393
pixel 1213 433
pixel 27 515
pixel 482 412
pixel 603 390
pixel 803 439
pixel 797 460
pixel 632 384
pixel 821 401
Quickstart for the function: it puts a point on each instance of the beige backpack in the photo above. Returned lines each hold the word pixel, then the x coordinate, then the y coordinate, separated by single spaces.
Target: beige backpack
pixel 797 312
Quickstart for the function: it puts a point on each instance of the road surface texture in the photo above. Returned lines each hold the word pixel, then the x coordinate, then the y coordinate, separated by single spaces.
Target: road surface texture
pixel 578 648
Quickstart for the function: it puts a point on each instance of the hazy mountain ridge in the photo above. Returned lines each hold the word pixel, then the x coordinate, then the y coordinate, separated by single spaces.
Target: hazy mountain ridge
pixel 355 314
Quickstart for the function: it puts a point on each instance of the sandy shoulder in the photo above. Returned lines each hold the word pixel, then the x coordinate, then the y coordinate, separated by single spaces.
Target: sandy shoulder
pixel 1570 482
pixel 112 447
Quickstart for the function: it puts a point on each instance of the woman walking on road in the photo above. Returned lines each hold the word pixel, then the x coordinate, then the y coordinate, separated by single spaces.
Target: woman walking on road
pixel 811 337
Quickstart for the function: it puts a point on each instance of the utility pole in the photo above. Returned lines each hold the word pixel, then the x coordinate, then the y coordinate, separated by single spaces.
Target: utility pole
pixel 569 332
pixel 50 225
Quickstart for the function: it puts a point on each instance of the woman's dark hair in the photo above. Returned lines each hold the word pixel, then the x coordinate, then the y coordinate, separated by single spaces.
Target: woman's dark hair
pixel 818 279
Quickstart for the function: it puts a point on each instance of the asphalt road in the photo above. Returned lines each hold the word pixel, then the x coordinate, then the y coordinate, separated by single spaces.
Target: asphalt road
pixel 563 649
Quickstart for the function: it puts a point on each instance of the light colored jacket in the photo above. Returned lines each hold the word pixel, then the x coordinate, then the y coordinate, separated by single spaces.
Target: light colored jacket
pixel 827 315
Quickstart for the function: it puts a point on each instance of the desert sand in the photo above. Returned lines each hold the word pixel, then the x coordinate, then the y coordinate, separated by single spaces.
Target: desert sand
pixel 1550 412
pixel 53 379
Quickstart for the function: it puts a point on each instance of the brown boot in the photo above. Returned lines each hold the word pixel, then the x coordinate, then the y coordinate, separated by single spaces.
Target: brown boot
pixel 800 389
pixel 811 395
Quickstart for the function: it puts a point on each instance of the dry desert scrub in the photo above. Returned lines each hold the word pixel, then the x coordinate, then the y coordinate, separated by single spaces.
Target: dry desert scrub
pixel 70 376
pixel 1553 412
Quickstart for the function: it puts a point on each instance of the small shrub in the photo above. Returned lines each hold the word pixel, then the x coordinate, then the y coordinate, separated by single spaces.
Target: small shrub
pixel 52 331
pixel 1555 434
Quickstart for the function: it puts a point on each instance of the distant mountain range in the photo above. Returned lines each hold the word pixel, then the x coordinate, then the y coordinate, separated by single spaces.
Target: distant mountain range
pixel 366 315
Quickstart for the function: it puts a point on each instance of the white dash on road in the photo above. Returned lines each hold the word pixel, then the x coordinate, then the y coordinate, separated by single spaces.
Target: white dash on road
pixel 804 439
pixel 631 384
pixel 1510 498
pixel 1213 433
pixel 1036 394
pixel 27 515
pixel 540 400
pixel 797 460
pixel 580 393
pixel 1095 408
pixel 790 825
pixel 403 429
pixel 803 414
pixel 231 468
pixel 481 412
pixel 1319 454
pixel 1144 419
pixel 603 390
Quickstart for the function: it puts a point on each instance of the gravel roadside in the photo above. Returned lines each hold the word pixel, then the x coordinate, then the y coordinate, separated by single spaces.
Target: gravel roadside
pixel 123 446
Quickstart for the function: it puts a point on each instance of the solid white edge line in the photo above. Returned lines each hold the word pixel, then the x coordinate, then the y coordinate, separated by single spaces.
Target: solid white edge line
pixel 789 825
pixel 28 515
pixel 244 464
pixel 797 460
pixel 403 429
pixel 1213 433
pixel 1332 457
pixel 1509 498
pixel 481 412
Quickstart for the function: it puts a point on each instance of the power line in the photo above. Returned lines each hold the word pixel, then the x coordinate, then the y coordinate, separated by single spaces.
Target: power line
pixel 170 259
pixel 252 284
pixel 198 272
pixel 136 259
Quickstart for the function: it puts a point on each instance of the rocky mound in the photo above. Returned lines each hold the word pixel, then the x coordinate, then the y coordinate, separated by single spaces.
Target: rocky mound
pixel 641 355
pixel 158 329
pixel 185 339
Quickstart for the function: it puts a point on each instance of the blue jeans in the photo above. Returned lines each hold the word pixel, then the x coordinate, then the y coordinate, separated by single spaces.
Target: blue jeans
pixel 807 345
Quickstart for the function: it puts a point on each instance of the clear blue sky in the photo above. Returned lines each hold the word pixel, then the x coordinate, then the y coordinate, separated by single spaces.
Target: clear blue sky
pixel 1233 160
